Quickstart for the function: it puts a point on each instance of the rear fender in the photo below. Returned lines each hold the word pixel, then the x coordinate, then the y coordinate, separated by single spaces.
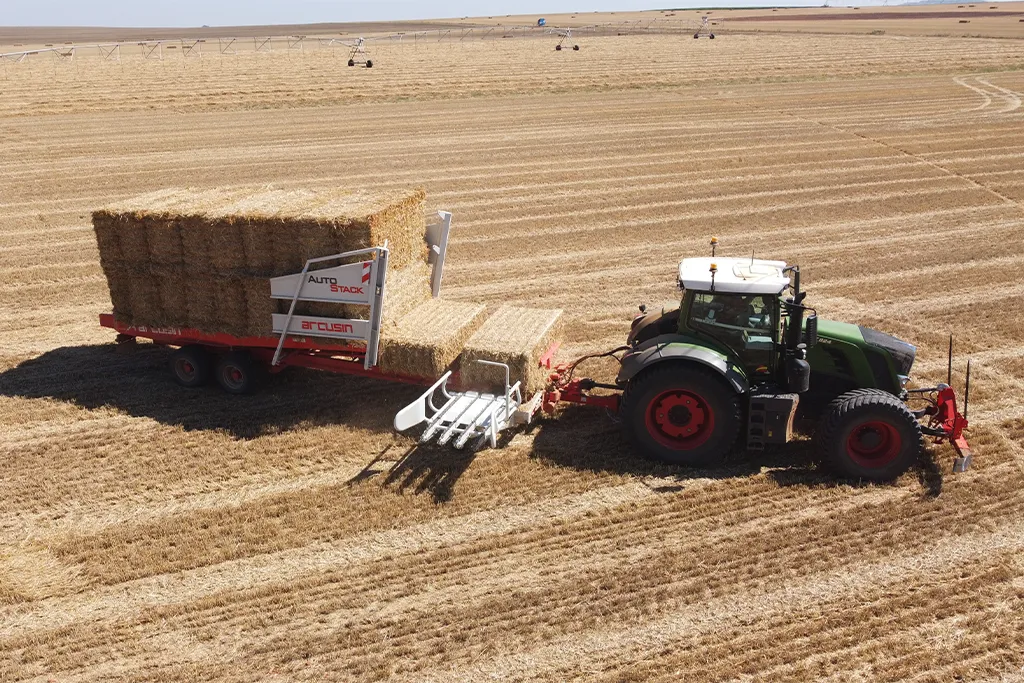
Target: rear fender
pixel 668 347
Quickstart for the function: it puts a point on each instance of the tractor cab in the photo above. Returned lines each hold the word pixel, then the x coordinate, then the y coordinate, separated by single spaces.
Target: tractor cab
pixel 734 304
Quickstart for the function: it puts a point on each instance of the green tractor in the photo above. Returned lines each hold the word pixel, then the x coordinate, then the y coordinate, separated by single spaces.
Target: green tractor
pixel 743 355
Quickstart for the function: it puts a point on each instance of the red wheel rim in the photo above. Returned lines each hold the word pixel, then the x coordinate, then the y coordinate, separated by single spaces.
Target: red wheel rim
pixel 233 376
pixel 679 419
pixel 186 369
pixel 874 444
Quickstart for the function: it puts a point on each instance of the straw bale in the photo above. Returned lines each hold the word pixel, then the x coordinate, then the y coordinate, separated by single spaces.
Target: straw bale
pixel 514 336
pixel 132 238
pixel 429 338
pixel 107 240
pixel 259 306
pixel 258 246
pixel 119 282
pixel 163 239
pixel 232 309
pixel 201 298
pixel 144 297
pixel 171 285
pixel 195 245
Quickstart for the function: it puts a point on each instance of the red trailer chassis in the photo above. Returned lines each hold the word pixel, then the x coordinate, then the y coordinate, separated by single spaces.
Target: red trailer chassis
pixel 340 358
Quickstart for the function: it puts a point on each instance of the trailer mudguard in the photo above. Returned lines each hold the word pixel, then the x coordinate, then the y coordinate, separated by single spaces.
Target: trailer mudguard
pixel 671 347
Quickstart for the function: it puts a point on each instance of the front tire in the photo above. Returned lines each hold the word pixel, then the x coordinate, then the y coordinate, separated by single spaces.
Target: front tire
pixel 682 414
pixel 869 434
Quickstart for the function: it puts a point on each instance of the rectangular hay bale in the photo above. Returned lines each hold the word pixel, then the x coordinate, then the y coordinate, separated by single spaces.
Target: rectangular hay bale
pixel 163 239
pixel 259 307
pixel 171 282
pixel 514 336
pixel 428 339
pixel 201 302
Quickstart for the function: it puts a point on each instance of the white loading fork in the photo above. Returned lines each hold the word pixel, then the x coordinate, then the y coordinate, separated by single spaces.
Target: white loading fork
pixel 466 415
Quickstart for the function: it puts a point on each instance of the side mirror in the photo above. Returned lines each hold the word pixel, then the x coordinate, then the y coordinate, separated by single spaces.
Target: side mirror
pixel 811 330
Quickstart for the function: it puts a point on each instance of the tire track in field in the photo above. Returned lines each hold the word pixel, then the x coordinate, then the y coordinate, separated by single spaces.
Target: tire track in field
pixel 130 597
pixel 643 641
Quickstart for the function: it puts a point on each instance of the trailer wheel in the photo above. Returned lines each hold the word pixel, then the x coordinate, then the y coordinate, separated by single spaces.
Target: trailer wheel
pixel 191 366
pixel 682 414
pixel 235 373
pixel 869 434
pixel 369 63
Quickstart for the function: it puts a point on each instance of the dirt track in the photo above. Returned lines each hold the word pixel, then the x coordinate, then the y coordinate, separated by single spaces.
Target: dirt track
pixel 149 532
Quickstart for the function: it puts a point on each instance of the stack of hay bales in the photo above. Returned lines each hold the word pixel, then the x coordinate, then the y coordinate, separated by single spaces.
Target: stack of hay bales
pixel 203 259
pixel 516 337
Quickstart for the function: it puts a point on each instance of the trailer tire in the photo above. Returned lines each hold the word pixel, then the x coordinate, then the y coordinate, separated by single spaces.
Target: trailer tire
pixel 869 434
pixel 190 366
pixel 235 373
pixel 682 414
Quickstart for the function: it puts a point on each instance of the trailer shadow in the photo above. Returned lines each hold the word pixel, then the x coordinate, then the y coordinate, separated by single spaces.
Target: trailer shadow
pixel 138 383
pixel 592 441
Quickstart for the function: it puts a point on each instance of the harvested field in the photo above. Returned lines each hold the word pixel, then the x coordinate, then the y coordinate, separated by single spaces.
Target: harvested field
pixel 148 532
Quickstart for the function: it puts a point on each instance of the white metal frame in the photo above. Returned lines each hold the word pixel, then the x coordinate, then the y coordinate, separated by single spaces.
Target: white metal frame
pixel 378 276
pixel 437 235
pixel 465 415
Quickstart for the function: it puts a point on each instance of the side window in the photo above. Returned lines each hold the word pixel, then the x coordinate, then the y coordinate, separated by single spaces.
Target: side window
pixel 744 323
pixel 732 311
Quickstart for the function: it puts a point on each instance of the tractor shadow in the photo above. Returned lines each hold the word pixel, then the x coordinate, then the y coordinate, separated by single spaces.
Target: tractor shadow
pixel 137 382
pixel 593 441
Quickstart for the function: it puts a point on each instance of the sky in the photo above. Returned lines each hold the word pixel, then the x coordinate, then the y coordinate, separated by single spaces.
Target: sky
pixel 158 13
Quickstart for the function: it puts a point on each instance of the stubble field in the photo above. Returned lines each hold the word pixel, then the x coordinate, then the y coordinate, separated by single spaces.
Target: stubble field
pixel 148 532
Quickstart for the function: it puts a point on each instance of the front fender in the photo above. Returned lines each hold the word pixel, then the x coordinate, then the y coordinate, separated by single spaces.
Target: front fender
pixel 669 347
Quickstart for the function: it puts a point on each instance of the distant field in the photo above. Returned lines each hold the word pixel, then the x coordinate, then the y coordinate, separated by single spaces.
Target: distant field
pixel 152 533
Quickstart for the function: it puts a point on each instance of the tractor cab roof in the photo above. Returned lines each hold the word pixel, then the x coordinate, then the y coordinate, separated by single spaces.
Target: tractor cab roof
pixel 734 275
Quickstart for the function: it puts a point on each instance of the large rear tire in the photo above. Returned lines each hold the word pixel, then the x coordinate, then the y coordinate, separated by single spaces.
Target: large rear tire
pixel 683 414
pixel 190 366
pixel 869 434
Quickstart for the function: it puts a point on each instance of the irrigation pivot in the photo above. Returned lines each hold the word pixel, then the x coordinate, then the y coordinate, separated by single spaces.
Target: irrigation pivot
pixel 565 40
pixel 359 55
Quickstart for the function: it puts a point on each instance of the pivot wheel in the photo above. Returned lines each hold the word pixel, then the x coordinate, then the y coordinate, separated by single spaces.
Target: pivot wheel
pixel 558 48
pixel 576 47
pixel 191 366
pixel 235 373
pixel 351 62
pixel 682 414
pixel 869 434
pixel 369 63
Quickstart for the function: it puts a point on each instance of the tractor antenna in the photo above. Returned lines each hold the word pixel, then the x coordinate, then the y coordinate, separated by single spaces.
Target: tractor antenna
pixel 949 365
pixel 714 243
pixel 714 269
pixel 967 388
